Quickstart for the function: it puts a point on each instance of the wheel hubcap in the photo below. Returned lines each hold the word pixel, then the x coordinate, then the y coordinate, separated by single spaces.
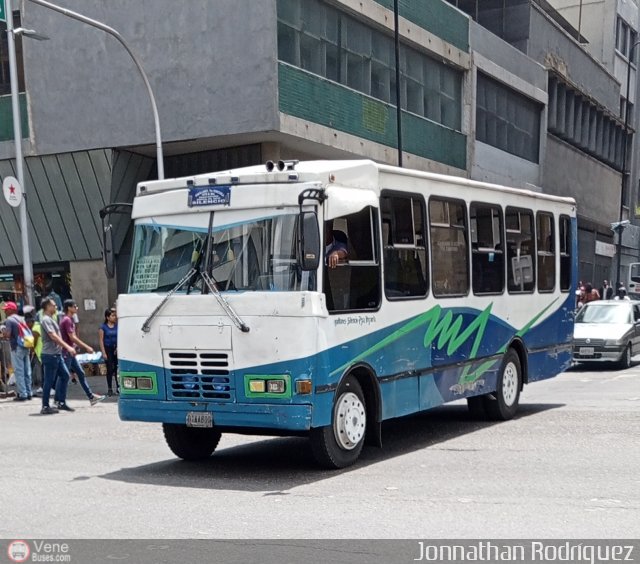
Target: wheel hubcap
pixel 510 384
pixel 350 421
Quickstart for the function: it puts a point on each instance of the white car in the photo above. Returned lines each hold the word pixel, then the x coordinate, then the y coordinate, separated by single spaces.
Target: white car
pixel 607 331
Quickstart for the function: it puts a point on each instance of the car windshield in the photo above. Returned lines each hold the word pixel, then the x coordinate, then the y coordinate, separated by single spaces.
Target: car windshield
pixel 609 313
pixel 257 255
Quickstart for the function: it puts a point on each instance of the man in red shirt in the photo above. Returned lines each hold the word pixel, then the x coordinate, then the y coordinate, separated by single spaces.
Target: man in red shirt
pixel 68 334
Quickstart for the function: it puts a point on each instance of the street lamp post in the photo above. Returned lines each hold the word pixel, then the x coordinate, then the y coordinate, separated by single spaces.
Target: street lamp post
pixel 114 33
pixel 27 267
pixel 625 176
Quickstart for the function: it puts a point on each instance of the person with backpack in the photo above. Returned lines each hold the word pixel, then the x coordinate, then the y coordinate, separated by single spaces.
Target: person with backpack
pixel 21 341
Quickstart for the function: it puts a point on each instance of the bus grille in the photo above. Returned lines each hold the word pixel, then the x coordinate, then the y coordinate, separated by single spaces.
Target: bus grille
pixel 591 343
pixel 198 375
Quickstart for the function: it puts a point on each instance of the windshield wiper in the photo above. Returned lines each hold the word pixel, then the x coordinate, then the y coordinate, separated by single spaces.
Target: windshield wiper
pixel 146 326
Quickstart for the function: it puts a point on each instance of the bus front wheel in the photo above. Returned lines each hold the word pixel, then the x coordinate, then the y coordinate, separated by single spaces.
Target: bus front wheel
pixel 339 445
pixel 503 403
pixel 191 443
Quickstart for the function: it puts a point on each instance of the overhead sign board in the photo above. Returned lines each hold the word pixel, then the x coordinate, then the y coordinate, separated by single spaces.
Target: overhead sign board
pixel 209 196
pixel 3 13
pixel 12 190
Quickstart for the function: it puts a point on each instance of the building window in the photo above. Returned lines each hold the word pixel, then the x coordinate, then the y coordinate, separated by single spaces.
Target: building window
pixel 449 251
pixel 5 82
pixel 581 123
pixel 626 36
pixel 404 245
pixel 507 120
pixel 318 38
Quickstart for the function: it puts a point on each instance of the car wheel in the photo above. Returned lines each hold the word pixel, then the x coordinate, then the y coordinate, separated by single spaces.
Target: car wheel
pixel 191 443
pixel 339 445
pixel 503 403
pixel 625 359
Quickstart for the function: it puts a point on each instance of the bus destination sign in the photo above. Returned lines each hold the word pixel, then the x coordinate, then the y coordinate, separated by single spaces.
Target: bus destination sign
pixel 209 196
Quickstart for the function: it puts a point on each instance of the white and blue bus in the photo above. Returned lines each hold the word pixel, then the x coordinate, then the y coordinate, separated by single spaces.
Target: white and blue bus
pixel 234 322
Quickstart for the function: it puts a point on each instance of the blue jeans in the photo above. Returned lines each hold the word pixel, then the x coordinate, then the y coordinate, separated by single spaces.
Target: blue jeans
pixel 54 370
pixel 22 371
pixel 74 366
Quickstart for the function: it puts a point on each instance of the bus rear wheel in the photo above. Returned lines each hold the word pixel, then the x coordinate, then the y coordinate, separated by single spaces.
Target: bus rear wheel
pixel 191 443
pixel 339 445
pixel 503 403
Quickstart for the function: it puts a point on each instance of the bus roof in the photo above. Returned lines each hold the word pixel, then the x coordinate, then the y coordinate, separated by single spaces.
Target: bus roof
pixel 364 174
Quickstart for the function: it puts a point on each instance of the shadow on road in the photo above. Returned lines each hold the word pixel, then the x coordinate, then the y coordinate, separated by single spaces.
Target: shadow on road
pixel 277 464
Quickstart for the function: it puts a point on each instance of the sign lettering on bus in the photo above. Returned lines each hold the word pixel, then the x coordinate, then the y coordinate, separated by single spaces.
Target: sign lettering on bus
pixel 209 196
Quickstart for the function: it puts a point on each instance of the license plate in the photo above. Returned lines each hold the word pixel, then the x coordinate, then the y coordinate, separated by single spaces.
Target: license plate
pixel 586 351
pixel 199 419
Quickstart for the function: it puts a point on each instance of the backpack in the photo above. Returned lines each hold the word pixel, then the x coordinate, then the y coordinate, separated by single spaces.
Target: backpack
pixel 25 336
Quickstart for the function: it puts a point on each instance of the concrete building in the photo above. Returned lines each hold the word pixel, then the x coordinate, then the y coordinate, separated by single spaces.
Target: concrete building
pixel 610 31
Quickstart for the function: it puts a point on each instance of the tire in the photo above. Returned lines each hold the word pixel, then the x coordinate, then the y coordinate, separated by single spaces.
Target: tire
pixel 339 445
pixel 625 359
pixel 476 405
pixel 502 405
pixel 191 443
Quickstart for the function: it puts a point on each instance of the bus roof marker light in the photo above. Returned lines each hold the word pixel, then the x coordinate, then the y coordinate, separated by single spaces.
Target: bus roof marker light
pixel 212 180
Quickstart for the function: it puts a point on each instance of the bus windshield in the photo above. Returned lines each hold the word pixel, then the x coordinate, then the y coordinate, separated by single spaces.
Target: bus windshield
pixel 256 255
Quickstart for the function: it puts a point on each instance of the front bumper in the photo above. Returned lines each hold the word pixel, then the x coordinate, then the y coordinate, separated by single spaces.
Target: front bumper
pixel 281 417
pixel 600 354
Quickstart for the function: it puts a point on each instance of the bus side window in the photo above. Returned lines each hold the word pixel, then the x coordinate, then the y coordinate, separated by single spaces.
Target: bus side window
pixel 546 252
pixel 565 253
pixel 487 244
pixel 449 248
pixel 355 283
pixel 520 250
pixel 403 242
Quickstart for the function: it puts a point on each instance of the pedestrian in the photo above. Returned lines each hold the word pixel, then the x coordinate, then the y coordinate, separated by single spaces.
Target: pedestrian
pixel 606 291
pixel 69 336
pixel 621 294
pixel 52 362
pixel 36 364
pixel 591 294
pixel 108 334
pixel 21 343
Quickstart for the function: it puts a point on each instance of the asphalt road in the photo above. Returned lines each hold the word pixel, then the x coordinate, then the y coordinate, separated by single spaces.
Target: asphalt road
pixel 567 466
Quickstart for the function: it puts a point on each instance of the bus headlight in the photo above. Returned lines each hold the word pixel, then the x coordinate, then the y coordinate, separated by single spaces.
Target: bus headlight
pixel 145 383
pixel 276 386
pixel 256 386
pixel 129 383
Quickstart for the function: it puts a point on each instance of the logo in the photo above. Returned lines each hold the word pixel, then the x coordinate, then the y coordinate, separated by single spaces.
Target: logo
pixel 18 551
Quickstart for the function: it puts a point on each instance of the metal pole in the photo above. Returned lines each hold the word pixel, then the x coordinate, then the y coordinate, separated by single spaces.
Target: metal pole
pixel 624 162
pixel 27 267
pixel 114 33
pixel 398 108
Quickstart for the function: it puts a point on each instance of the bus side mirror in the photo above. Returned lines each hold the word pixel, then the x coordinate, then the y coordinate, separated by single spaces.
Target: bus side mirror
pixel 107 251
pixel 309 236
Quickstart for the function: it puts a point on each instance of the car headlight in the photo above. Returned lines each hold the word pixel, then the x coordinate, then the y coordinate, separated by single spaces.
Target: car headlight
pixel 612 343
